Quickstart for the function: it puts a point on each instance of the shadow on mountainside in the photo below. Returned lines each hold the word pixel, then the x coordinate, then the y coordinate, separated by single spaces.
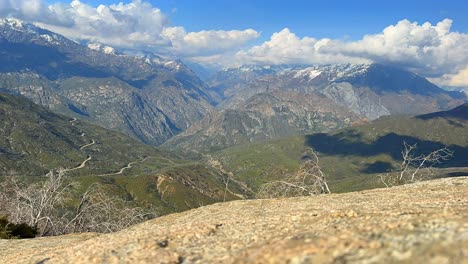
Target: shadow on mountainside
pixel 460 112
pixel 44 60
pixel 352 143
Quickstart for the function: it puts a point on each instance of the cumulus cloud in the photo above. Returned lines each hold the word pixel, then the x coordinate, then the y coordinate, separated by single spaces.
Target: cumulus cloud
pixel 434 51
pixel 207 42
pixel 135 25
pixel 22 8
pixel 430 50
pixel 458 79
pixel 285 47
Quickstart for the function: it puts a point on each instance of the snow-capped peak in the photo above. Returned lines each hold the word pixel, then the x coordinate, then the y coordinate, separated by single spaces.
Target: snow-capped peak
pixel 174 65
pixel 102 48
pixel 333 72
pixel 12 22
pixel 51 39
pixel 348 70
pixel 309 73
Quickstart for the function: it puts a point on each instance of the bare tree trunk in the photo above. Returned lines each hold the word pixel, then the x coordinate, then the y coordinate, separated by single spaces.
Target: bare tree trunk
pixel 412 165
pixel 46 206
pixel 309 180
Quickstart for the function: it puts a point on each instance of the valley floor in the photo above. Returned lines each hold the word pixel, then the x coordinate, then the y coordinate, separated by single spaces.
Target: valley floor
pixel 425 222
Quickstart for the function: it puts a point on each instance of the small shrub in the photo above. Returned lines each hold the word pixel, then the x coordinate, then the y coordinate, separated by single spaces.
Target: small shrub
pixel 9 230
pixel 5 233
pixel 23 231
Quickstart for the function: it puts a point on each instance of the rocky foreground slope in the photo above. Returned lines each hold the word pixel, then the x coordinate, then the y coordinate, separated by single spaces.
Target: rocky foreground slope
pixel 425 222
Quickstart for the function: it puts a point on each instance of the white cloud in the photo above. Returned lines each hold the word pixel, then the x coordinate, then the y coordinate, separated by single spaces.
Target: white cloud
pixel 458 79
pixel 430 50
pixel 23 8
pixel 285 47
pixel 132 25
pixel 207 42
pixel 136 25
pixel 433 51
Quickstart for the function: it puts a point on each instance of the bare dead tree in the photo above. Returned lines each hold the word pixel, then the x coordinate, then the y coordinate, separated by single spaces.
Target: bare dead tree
pixel 3 198
pixel 308 180
pixel 98 212
pixel 216 164
pixel 415 167
pixel 228 177
pixel 53 208
pixel 34 204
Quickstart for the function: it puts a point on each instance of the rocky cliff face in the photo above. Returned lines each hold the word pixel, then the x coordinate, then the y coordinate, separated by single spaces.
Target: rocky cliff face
pixel 368 90
pixel 262 117
pixel 417 223
pixel 146 97
pixel 153 99
pixel 266 102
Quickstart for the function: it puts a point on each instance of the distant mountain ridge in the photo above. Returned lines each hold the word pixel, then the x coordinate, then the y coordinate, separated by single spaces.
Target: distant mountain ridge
pixel 370 90
pixel 148 98
pixel 34 140
pixel 156 100
pixel 261 117
pixel 460 112
pixel 354 157
pixel 266 102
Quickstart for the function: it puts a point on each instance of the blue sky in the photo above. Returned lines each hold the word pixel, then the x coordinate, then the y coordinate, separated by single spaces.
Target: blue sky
pixel 325 18
pixel 428 37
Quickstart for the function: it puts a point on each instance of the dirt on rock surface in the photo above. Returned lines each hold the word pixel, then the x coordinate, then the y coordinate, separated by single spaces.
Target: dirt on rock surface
pixel 426 222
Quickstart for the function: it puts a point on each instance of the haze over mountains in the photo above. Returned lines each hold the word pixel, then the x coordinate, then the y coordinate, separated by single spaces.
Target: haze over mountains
pixel 153 99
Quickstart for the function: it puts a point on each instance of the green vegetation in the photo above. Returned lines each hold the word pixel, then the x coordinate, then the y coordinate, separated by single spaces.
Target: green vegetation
pixel 34 141
pixel 171 190
pixel 353 157
pixel 9 230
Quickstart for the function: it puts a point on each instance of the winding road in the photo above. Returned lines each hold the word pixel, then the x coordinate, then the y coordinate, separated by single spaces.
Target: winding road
pixel 90 144
pixel 128 166
pixel 89 157
pixel 80 166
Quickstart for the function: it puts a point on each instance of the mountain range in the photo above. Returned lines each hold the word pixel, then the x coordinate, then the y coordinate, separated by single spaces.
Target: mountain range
pixel 160 101
pixel 369 90
pixel 267 102
pixel 156 133
pixel 139 136
pixel 354 157
pixel 148 98
pixel 34 141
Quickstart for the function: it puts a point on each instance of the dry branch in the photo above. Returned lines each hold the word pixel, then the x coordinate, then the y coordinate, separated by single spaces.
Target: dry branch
pixel 309 180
